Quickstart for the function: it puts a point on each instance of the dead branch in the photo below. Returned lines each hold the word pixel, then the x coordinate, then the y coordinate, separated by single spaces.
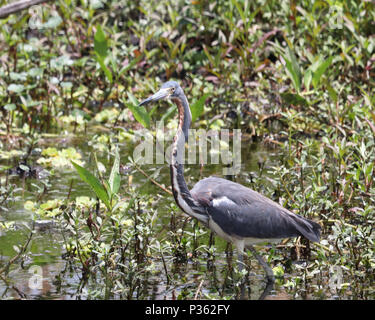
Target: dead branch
pixel 18 6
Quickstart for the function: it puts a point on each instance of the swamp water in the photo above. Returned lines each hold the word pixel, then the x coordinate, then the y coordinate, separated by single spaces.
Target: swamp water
pixel 44 272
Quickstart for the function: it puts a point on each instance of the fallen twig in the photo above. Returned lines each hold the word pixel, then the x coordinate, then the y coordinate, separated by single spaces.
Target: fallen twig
pixel 198 290
pixel 18 6
pixel 152 180
pixel 10 262
pixel 22 250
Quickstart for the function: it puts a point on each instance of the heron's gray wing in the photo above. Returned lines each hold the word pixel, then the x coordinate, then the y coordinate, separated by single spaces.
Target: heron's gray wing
pixel 243 212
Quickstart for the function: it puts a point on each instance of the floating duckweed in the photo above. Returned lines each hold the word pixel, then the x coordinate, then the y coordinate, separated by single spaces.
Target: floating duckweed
pixel 29 205
pixel 49 209
pixel 59 158
pixel 107 115
pixel 85 202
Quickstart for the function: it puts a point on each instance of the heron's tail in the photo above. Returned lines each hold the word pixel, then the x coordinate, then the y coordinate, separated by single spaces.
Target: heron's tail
pixel 309 229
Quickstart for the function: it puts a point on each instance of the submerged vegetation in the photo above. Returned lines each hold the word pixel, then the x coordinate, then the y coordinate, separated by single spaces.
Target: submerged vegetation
pixel 81 218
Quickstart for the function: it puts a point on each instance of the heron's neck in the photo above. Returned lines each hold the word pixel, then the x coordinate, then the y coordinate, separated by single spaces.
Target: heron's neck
pixel 180 190
pixel 184 115
pixel 178 148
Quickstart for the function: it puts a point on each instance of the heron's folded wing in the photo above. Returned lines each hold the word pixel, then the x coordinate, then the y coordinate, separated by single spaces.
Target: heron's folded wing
pixel 243 212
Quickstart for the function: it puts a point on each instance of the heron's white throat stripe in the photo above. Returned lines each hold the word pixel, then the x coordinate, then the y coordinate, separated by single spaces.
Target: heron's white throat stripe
pixel 183 197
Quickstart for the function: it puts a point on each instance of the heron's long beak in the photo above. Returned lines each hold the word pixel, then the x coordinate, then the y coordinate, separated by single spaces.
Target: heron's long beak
pixel 161 94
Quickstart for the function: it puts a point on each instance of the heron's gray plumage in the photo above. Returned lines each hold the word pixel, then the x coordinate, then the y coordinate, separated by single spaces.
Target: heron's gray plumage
pixel 245 213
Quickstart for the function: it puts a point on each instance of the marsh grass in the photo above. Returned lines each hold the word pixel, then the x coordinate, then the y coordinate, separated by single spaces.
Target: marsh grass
pixel 297 77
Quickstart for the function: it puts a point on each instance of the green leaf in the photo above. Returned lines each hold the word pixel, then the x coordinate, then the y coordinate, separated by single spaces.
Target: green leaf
pixel 153 110
pixel 209 56
pixel 94 183
pixel 293 99
pixel 320 70
pixel 118 204
pixel 60 62
pixel 35 72
pixel 100 42
pixel 139 112
pixel 96 4
pixel 293 70
pixel 18 88
pixel 295 64
pixel 10 107
pixel 106 71
pixel 307 79
pixel 369 101
pixel 197 107
pixel 24 168
pixel 116 183
pixel 114 178
pixel 133 99
pixel 240 11
pixel 53 22
pixel 332 93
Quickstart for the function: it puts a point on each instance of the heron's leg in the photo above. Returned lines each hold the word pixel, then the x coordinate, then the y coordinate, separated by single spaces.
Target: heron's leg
pixel 240 247
pixel 240 268
pixel 240 261
pixel 266 267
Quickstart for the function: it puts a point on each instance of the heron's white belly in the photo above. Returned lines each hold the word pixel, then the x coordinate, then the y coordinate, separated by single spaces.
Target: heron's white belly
pixel 215 227
pixel 251 241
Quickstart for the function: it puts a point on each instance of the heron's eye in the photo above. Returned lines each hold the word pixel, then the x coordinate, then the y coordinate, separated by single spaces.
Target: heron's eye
pixel 171 89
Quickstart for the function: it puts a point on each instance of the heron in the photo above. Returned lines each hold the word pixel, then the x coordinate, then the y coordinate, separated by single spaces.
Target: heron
pixel 234 212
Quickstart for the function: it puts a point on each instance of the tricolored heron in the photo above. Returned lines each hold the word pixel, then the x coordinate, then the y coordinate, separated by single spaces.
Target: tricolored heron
pixel 236 213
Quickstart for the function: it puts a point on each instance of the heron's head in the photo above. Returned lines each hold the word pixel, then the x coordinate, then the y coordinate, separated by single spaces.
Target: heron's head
pixel 170 89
